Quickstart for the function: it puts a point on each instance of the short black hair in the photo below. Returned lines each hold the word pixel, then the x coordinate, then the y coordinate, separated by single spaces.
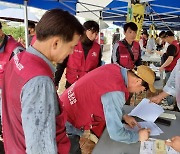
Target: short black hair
pixel 57 22
pixel 0 25
pixel 145 33
pixel 145 84
pixel 31 25
pixel 130 25
pixel 169 33
pixel 162 34
pixel 91 25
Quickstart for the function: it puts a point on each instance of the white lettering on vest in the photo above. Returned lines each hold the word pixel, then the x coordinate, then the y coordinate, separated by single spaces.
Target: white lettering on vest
pixel 71 95
pixel 124 56
pixel 75 50
pixel 94 54
pixel 18 65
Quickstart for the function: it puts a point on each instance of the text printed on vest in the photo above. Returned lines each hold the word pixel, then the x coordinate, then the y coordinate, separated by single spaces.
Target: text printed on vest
pixel 71 95
pixel 18 65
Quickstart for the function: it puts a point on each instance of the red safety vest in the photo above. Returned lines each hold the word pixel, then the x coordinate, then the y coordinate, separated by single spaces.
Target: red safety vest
pixel 18 73
pixel 33 40
pixel 125 57
pixel 77 65
pixel 82 101
pixel 6 54
pixel 171 66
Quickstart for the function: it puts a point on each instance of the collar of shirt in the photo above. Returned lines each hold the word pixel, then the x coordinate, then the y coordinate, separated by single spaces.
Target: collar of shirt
pixel 31 50
pixel 129 45
pixel 2 46
pixel 124 75
pixel 2 49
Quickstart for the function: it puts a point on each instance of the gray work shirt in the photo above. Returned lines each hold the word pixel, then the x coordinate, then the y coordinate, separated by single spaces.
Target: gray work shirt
pixel 172 86
pixel 39 108
pixel 113 103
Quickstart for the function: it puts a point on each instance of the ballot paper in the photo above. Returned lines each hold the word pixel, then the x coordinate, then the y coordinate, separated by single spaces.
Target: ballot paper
pixel 154 68
pixel 155 146
pixel 147 111
pixel 155 130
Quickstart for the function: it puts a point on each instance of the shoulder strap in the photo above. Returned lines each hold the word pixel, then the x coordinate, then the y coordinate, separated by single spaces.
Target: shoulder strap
pixel 129 49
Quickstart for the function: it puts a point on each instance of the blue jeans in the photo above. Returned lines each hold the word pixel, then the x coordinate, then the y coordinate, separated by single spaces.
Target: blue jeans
pixel 170 99
pixel 74 137
pixel 142 53
pixel 75 146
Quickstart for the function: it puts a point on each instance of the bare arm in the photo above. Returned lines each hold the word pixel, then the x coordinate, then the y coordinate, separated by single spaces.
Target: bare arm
pixel 157 99
pixel 166 63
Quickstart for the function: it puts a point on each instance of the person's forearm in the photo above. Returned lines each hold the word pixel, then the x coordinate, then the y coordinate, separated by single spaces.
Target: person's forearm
pixel 142 48
pixel 163 95
pixel 167 62
pixel 170 87
pixel 124 117
pixel 112 106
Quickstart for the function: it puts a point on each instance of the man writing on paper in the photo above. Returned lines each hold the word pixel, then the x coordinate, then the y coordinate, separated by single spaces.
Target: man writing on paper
pixel 97 100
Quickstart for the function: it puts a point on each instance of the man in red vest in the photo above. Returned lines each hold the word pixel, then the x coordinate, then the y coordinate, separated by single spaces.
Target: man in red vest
pixel 170 58
pixel 86 56
pixel 97 100
pixel 127 52
pixel 143 41
pixel 31 31
pixel 116 36
pixel 32 118
pixel 8 48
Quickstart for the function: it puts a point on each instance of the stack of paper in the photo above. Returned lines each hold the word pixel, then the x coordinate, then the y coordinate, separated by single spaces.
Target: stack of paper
pixel 154 146
pixel 155 69
pixel 155 130
pixel 148 112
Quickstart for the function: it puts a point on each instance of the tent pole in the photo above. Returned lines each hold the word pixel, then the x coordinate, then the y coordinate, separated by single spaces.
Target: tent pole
pixel 26 23
pixel 100 18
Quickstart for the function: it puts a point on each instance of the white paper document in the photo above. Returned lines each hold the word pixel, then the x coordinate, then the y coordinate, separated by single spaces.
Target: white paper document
pixel 155 130
pixel 147 111
pixel 155 146
pixel 154 68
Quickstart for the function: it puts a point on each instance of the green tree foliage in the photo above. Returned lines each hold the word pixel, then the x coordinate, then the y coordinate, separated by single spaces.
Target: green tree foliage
pixel 16 32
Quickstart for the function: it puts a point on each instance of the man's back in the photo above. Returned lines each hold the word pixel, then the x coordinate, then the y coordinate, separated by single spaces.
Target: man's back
pixel 116 37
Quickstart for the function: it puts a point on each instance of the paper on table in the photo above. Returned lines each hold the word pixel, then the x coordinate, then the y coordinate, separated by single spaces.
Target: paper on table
pixel 155 130
pixel 147 111
pixel 154 68
pixel 153 146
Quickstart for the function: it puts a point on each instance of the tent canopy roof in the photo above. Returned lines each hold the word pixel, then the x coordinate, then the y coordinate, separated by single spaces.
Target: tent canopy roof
pixel 161 12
